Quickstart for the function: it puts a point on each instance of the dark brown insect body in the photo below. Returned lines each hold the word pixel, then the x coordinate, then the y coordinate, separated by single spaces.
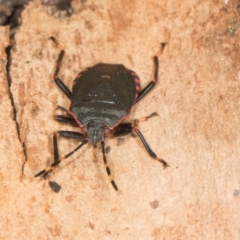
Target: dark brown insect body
pixel 101 99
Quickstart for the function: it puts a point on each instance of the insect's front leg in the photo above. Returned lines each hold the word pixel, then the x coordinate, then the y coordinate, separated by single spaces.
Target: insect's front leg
pixel 127 128
pixel 57 160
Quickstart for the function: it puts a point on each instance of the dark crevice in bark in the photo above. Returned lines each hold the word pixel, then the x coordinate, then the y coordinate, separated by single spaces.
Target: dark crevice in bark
pixel 8 67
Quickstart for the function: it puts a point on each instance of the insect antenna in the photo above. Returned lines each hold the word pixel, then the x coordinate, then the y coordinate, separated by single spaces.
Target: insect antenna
pixel 107 167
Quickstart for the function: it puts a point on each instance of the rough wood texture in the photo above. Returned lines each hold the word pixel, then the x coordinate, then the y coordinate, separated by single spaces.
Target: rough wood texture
pixel 197 131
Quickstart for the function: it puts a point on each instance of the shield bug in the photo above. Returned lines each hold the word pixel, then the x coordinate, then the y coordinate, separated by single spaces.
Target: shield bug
pixel 101 99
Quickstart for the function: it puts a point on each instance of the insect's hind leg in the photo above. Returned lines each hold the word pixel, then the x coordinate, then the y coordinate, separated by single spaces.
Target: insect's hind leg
pixel 57 80
pixel 151 84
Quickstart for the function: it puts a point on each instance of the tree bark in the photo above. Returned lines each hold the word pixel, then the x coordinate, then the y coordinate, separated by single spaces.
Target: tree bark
pixel 196 132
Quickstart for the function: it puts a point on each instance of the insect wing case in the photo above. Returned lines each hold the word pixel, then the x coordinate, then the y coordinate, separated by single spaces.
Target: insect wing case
pixel 104 92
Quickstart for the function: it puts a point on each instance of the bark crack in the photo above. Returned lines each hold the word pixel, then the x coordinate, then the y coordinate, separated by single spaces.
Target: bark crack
pixel 9 80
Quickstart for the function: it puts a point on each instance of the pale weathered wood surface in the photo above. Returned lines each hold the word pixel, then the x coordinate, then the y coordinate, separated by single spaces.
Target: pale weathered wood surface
pixel 197 131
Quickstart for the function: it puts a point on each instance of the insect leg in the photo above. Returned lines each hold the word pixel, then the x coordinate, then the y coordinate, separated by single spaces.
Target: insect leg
pixel 57 80
pixel 107 167
pixel 57 160
pixel 122 129
pixel 151 85
pixel 63 87
pixel 66 119
pixel 148 148
pixel 126 128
